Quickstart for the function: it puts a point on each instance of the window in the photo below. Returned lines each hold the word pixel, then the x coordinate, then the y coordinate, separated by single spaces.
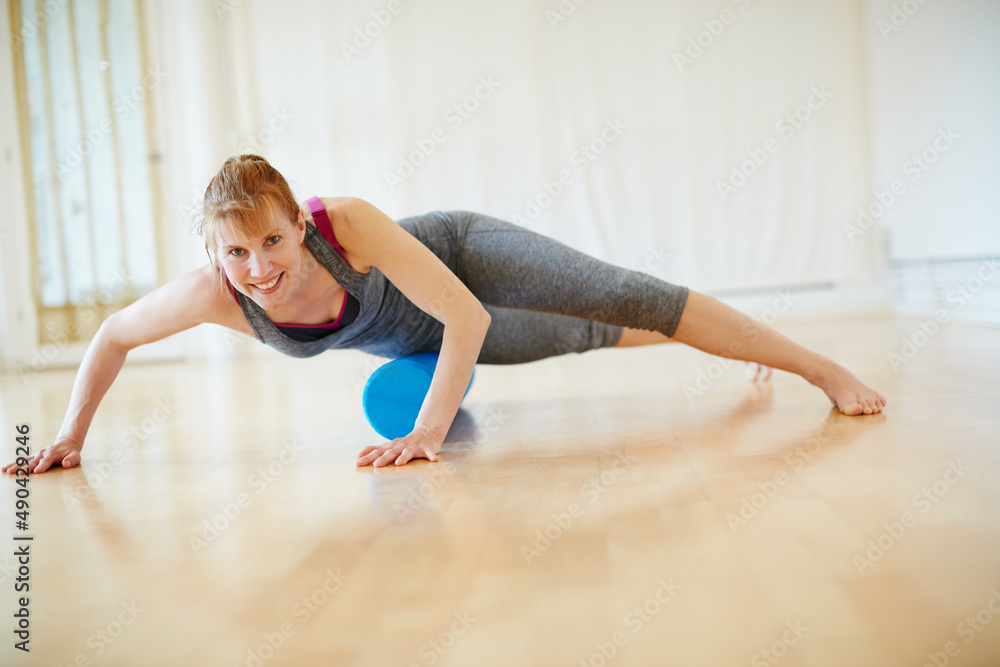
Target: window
pixel 85 95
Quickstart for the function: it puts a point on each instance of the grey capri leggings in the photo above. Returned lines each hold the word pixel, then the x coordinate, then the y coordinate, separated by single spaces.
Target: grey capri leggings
pixel 545 298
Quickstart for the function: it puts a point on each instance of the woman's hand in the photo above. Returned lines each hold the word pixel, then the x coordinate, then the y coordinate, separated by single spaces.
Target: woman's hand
pixel 420 444
pixel 64 452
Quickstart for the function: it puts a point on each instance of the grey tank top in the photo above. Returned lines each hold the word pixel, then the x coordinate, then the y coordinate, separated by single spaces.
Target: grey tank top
pixel 388 324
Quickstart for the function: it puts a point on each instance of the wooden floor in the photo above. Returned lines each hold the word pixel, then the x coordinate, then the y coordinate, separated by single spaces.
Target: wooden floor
pixel 585 512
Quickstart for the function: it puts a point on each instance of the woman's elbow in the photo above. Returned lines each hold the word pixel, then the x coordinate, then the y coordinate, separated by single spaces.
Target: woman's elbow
pixel 482 317
pixel 471 316
pixel 111 334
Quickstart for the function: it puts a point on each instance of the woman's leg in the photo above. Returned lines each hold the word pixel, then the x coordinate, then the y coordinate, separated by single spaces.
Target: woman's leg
pixel 508 266
pixel 638 337
pixel 711 326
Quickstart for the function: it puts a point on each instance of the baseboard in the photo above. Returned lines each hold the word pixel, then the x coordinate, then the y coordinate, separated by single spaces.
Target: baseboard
pixel 966 289
pixel 813 303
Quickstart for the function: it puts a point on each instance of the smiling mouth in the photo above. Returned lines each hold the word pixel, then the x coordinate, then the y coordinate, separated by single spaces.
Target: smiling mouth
pixel 269 286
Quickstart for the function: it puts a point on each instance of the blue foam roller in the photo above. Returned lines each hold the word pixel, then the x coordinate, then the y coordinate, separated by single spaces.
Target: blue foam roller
pixel 395 392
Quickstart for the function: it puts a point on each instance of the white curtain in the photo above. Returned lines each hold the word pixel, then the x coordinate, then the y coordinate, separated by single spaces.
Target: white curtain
pixel 90 154
pixel 337 94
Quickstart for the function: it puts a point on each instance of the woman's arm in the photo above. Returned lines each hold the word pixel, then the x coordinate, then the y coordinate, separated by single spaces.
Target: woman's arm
pixel 372 238
pixel 180 304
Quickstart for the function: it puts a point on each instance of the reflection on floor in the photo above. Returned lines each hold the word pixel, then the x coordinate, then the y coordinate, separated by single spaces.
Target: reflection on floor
pixel 620 507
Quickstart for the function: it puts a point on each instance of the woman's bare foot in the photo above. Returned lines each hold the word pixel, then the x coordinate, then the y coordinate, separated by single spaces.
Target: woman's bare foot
pixel 757 372
pixel 847 392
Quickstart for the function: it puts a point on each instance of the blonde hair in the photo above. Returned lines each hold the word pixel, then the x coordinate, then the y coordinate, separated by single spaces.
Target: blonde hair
pixel 248 194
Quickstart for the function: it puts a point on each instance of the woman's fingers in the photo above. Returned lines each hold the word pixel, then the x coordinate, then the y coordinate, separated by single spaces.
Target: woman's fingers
pixel 44 462
pixel 388 457
pixel 64 454
pixel 51 456
pixel 11 468
pixel 377 456
pixel 368 455
pixel 397 453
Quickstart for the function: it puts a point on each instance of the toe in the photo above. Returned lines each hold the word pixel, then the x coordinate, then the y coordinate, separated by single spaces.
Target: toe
pixel 853 410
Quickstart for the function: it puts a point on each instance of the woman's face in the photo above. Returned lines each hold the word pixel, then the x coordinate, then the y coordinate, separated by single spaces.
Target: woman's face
pixel 267 269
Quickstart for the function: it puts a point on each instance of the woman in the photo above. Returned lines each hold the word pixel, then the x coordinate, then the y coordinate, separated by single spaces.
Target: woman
pixel 338 273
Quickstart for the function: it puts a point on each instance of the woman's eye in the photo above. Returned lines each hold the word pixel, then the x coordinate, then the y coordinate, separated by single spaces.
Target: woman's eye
pixel 274 239
pixel 236 252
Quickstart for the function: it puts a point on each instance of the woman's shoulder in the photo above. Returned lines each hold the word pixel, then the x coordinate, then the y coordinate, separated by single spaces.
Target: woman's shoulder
pixel 342 213
pixel 334 206
pixel 339 204
pixel 209 296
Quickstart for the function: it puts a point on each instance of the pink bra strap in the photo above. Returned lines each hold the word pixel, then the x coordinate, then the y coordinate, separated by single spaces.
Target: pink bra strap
pixel 323 223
